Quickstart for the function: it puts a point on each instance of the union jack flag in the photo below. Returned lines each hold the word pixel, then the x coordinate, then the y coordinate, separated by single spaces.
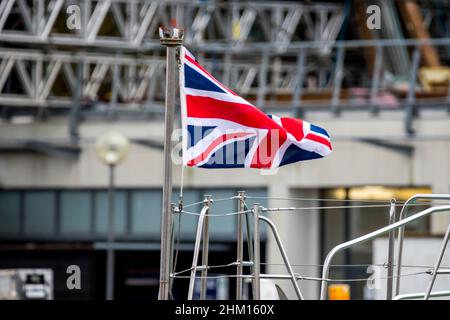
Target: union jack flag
pixel 223 130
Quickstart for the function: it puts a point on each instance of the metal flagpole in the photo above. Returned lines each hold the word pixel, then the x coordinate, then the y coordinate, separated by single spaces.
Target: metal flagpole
pixel 171 38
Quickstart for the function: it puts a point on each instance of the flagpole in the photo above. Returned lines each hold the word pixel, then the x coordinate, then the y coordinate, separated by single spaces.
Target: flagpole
pixel 171 38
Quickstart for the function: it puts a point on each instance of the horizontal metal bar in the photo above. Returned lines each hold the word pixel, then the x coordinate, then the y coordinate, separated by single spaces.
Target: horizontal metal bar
pixel 260 47
pixel 439 271
pixel 248 48
pixel 151 246
pixel 421 295
pixel 280 276
pixel 247 263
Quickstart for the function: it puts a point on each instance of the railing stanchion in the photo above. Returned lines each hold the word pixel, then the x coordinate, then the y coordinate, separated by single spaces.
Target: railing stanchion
pixel 256 254
pixel 205 249
pixel 240 245
pixel 390 272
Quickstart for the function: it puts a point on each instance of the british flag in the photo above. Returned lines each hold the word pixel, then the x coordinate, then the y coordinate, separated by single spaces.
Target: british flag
pixel 223 130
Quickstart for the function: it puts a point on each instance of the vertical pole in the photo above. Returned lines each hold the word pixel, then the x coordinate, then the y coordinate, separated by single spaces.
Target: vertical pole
pixel 205 249
pixel 256 254
pixel 249 241
pixel 390 272
pixel 300 75
pixel 448 98
pixel 171 38
pixel 376 79
pixel 114 89
pixel 411 97
pixel 262 80
pixel 76 107
pixel 110 250
pixel 240 246
pixel 347 231
pixel 338 76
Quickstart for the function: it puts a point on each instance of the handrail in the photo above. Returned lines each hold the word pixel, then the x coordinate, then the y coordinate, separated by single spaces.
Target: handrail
pixel 401 231
pixel 438 264
pixel 293 277
pixel 198 237
pixel 367 237
pixel 418 295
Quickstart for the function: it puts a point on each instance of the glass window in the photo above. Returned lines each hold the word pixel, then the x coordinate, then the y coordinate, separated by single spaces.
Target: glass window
pixel 40 213
pixel 9 213
pixel 75 212
pixel 102 211
pixel 146 212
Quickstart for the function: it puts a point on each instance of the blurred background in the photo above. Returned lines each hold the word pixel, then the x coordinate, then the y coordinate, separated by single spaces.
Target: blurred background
pixel 73 70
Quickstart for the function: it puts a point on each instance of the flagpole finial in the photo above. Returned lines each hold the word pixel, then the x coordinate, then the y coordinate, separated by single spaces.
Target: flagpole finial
pixel 171 37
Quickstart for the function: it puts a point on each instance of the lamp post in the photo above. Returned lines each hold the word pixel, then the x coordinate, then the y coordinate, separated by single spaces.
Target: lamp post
pixel 112 148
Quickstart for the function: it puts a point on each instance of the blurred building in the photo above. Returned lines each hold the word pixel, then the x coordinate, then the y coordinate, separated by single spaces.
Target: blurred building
pixel 383 95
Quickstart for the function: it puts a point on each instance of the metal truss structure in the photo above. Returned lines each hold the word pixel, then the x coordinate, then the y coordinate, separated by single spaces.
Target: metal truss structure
pixel 133 24
pixel 270 80
pixel 53 79
pixel 279 55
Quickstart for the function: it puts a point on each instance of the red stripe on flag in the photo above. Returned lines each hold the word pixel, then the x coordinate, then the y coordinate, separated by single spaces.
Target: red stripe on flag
pixel 319 139
pixel 206 107
pixel 294 127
